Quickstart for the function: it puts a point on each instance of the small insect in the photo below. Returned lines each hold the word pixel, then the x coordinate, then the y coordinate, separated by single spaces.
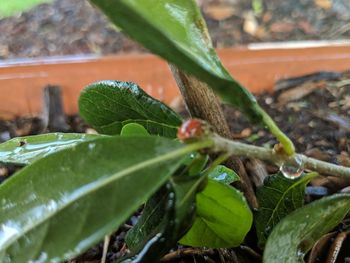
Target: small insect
pixel 192 129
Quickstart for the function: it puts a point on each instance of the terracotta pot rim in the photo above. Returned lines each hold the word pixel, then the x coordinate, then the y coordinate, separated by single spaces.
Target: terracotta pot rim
pixel 78 58
pixel 256 66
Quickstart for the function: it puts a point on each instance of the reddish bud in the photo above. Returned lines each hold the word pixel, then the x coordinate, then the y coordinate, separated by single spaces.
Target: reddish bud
pixel 190 129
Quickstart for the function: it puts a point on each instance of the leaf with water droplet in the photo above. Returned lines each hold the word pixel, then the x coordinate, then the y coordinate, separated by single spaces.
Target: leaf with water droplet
pixel 109 105
pixel 295 235
pixel 26 150
pixel 100 189
pixel 278 197
pixel 223 174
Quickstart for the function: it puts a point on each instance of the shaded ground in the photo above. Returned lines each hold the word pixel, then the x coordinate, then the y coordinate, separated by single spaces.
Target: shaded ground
pixel 73 26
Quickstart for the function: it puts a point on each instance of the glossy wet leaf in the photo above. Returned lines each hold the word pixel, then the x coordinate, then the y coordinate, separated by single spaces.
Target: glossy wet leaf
pixel 224 175
pixel 151 221
pixel 154 216
pixel 133 129
pixel 64 203
pixel 25 150
pixel 223 218
pixel 277 198
pixel 295 235
pixel 109 105
pixel 196 162
pixel 176 31
pixel 165 219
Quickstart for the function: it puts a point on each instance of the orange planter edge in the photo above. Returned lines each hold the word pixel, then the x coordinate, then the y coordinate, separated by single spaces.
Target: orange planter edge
pixel 21 81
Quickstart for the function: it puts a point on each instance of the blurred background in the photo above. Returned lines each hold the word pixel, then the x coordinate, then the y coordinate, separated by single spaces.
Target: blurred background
pixel 64 27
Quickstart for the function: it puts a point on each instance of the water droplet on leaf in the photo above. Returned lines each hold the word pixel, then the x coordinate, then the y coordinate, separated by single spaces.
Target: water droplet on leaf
pixel 292 167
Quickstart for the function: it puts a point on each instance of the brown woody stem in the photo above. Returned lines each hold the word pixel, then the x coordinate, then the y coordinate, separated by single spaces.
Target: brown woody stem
pixel 202 103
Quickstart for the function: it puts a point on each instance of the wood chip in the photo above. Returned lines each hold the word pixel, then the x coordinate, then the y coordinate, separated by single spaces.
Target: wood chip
pixel 336 247
pixel 257 171
pixel 334 184
pixel 344 159
pixel 345 190
pixel 3 171
pixel 219 12
pixel 91 131
pixel 324 4
pixel 282 27
pixel 318 154
pixel 298 93
pixel 306 27
pixel 340 121
pixel 320 246
pixel 53 114
pixel 250 25
pixel 243 134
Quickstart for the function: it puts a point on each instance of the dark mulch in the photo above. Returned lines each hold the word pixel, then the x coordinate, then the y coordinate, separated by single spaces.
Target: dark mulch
pixel 314 114
pixel 74 27
pixel 313 111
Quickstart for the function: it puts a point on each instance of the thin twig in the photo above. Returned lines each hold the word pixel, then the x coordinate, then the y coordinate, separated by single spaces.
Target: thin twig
pixel 107 239
pixel 251 151
pixel 251 252
pixel 336 247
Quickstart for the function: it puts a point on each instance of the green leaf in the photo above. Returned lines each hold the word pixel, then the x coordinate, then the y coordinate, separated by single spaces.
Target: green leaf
pixel 61 205
pixel 25 150
pixel 195 163
pixel 277 198
pixel 159 228
pixel 154 218
pixel 223 174
pixel 176 31
pixel 297 232
pixel 152 127
pixel 156 229
pixel 151 221
pixel 133 129
pixel 9 8
pixel 223 218
pixel 109 105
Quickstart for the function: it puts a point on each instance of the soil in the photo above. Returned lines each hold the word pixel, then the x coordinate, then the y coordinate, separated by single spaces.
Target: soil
pixel 74 27
pixel 312 110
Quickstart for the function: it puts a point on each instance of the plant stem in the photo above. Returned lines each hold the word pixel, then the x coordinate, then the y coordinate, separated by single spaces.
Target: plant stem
pixel 202 103
pixel 284 140
pixel 251 151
